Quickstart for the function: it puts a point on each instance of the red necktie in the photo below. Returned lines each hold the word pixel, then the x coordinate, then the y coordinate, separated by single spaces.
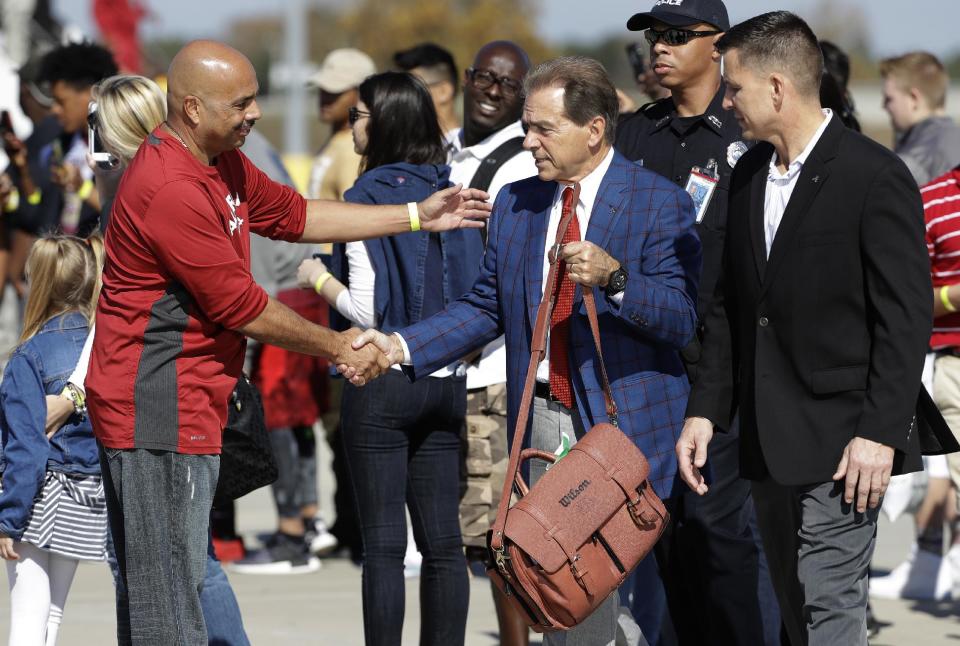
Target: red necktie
pixel 560 386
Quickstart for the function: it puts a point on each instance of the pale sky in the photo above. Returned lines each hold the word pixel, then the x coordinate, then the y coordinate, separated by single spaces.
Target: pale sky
pixel 931 24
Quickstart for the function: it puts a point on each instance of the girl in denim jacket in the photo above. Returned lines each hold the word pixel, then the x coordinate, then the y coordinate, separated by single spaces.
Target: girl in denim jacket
pixel 52 506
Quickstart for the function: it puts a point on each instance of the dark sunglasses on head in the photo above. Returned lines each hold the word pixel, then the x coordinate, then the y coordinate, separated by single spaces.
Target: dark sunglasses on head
pixel 675 36
pixel 353 115
pixel 484 79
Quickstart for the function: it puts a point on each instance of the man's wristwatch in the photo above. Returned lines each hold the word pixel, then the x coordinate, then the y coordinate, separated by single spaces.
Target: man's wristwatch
pixel 617 282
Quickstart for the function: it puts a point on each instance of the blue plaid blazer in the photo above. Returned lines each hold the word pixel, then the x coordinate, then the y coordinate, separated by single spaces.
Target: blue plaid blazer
pixel 645 222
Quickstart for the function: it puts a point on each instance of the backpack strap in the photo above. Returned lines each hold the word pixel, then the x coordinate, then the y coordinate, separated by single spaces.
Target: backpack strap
pixel 489 166
pixel 492 162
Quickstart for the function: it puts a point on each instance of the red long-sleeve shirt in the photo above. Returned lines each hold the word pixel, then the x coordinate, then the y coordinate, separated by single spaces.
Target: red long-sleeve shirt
pixel 176 285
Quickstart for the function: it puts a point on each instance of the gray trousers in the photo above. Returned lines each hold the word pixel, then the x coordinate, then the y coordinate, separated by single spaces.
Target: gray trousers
pixel 819 550
pixel 609 625
pixel 295 450
pixel 159 504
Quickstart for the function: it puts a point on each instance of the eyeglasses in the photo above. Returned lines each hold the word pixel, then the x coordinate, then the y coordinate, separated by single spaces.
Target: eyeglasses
pixel 484 79
pixel 675 36
pixel 353 115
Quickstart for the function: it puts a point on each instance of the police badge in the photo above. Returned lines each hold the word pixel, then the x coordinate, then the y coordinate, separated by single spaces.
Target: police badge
pixel 735 152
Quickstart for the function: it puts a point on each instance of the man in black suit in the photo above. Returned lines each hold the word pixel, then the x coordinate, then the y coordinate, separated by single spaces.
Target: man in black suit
pixel 718 587
pixel 817 330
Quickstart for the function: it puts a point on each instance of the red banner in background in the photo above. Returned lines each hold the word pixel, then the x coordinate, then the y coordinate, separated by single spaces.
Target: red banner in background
pixel 118 21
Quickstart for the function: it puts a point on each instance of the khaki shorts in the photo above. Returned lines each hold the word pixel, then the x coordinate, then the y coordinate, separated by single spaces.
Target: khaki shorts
pixel 484 464
pixel 946 395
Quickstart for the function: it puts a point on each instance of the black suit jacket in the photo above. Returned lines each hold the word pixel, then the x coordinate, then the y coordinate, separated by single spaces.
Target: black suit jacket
pixel 824 340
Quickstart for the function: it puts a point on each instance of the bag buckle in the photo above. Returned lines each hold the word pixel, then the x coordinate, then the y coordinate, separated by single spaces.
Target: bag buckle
pixel 638 518
pixel 577 574
pixel 500 558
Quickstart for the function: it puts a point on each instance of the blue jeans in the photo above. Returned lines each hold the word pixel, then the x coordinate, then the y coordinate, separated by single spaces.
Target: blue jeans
pixel 158 504
pixel 220 610
pixel 402 443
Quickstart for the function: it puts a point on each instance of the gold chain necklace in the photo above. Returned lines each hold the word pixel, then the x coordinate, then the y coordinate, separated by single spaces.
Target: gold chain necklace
pixel 176 134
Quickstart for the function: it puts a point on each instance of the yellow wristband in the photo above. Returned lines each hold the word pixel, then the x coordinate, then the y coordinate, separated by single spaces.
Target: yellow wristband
pixel 85 189
pixel 321 281
pixel 945 299
pixel 414 216
pixel 34 198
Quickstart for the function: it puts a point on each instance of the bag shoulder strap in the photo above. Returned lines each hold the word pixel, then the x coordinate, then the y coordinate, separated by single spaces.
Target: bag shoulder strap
pixel 538 343
pixel 490 164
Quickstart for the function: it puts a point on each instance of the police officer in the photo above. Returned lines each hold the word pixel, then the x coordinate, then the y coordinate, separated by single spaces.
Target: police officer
pixel 709 560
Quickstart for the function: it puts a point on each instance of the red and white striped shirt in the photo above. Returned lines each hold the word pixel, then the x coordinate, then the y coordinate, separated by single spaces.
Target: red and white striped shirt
pixel 941 209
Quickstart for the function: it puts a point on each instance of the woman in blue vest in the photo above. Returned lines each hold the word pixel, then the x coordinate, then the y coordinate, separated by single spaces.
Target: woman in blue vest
pixel 402 439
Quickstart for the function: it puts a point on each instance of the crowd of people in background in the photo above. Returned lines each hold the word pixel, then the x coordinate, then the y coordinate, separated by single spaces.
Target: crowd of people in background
pixel 158 248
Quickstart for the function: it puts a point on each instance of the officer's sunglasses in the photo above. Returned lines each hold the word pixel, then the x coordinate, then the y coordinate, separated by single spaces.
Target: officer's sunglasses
pixel 354 115
pixel 484 79
pixel 675 36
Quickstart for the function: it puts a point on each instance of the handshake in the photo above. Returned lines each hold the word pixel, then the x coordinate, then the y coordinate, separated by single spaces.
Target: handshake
pixel 362 356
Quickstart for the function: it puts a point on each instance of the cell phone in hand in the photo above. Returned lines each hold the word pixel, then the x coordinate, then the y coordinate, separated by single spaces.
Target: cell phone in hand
pixel 637 63
pixel 99 154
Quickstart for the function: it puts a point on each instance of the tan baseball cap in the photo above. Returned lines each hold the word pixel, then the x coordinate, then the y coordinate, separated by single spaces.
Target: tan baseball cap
pixel 343 69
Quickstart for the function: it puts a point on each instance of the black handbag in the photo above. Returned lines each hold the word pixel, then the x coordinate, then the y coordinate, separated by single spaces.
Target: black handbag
pixel 246 460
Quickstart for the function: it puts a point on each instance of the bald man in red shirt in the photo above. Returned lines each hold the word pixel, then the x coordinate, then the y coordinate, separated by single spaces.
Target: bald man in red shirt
pixel 177 302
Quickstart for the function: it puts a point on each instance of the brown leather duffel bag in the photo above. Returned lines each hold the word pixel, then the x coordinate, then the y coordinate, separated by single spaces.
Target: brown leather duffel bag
pixel 571 540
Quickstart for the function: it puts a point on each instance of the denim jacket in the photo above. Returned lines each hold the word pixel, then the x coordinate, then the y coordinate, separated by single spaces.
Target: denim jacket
pixel 399 261
pixel 41 366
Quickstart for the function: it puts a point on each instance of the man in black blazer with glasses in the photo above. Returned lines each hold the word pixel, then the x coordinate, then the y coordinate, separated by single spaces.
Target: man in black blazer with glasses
pixel 817 331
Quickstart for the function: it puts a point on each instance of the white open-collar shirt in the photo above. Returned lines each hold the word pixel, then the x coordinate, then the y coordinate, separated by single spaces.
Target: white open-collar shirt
pixel 780 185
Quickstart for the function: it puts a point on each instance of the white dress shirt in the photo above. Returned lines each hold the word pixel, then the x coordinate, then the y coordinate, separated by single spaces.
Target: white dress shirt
pixel 464 162
pixel 780 185
pixel 589 186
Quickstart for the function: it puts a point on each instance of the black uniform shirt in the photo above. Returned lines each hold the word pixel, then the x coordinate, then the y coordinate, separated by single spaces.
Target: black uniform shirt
pixel 671 145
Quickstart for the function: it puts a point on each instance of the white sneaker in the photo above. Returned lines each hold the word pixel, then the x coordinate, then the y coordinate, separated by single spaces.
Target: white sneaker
pixel 319 539
pixel 951 562
pixel 410 570
pixel 924 576
pixel 412 560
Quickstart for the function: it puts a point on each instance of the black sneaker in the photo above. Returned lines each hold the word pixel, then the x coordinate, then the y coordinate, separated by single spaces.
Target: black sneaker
pixel 282 554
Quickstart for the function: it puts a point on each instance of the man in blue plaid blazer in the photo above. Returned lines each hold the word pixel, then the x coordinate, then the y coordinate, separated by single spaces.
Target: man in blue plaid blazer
pixel 632 241
pixel 640 255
